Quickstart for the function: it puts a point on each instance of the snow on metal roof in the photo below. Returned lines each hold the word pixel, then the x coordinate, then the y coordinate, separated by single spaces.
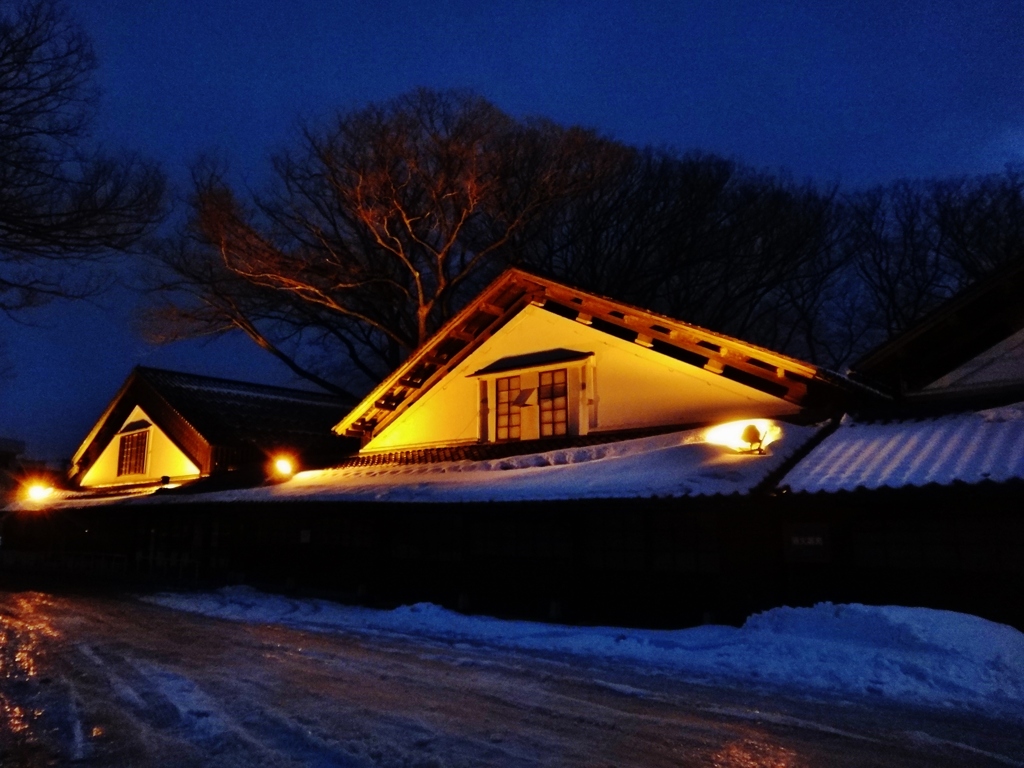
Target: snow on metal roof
pixel 674 464
pixel 965 447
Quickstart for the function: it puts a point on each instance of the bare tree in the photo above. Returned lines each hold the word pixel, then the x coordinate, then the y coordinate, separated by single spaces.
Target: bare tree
pixel 376 229
pixel 705 239
pixel 981 220
pixel 62 205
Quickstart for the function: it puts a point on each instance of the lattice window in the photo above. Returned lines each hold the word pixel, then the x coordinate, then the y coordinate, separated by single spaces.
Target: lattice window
pixel 131 457
pixel 508 413
pixel 554 403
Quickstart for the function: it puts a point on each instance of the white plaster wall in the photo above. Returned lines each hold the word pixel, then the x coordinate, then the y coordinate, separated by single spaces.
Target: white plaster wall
pixel 163 458
pixel 1002 364
pixel 631 387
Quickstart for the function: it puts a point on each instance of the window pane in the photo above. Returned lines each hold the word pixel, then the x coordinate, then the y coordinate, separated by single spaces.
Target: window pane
pixel 507 411
pixel 131 456
pixel 554 403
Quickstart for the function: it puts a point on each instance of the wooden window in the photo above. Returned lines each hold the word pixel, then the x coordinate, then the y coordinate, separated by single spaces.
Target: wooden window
pixel 508 411
pixel 131 457
pixel 554 403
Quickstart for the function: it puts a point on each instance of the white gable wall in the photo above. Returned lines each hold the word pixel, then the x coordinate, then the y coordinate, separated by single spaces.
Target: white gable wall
pixel 1002 364
pixel 629 386
pixel 163 458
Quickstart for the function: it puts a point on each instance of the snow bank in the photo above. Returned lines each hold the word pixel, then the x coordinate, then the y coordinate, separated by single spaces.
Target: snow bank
pixel 914 656
pixel 675 464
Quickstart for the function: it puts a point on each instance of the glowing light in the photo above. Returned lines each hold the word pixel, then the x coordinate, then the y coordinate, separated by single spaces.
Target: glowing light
pixel 39 492
pixel 283 467
pixel 748 435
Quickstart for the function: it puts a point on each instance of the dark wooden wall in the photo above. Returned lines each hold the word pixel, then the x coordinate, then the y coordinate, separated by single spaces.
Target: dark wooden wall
pixel 651 562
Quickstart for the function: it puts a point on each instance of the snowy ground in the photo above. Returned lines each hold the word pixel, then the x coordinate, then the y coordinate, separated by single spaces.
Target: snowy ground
pixel 914 656
pixel 241 678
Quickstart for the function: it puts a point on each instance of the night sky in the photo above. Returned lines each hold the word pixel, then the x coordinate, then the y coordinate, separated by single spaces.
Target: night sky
pixel 850 93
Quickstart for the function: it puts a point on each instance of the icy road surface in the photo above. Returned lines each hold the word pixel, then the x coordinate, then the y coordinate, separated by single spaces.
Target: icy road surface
pixel 116 681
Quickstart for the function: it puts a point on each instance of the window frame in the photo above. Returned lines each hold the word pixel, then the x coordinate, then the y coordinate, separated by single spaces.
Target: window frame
pixel 133 453
pixel 549 394
pixel 513 427
pixel 577 403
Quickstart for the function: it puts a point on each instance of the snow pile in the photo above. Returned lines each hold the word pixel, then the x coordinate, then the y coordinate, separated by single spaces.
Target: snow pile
pixel 917 656
pixel 676 464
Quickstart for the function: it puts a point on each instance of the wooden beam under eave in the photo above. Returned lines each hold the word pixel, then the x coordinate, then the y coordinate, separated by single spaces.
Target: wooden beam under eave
pixel 385 418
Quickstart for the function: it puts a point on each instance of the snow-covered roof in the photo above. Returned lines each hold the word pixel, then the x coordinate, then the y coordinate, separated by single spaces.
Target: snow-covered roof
pixel 673 464
pixel 965 447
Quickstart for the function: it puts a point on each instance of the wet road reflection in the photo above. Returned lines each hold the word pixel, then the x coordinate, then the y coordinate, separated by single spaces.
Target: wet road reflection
pixel 751 753
pixel 106 681
pixel 25 633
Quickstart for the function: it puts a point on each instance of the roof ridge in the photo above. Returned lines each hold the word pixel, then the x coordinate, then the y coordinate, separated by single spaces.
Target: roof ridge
pixel 198 377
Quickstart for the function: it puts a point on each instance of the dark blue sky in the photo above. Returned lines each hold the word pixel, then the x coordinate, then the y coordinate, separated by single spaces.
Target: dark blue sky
pixel 854 93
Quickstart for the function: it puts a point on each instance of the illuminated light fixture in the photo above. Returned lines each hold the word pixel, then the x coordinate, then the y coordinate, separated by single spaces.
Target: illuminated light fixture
pixel 39 492
pixel 751 434
pixel 284 467
pixel 746 436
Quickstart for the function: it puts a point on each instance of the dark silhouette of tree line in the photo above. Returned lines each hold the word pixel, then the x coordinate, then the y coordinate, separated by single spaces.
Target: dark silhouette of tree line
pixel 63 203
pixel 383 222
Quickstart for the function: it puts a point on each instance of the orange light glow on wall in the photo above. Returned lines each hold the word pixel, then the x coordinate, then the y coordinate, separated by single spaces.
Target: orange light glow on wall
pixel 39 492
pixel 747 435
pixel 284 466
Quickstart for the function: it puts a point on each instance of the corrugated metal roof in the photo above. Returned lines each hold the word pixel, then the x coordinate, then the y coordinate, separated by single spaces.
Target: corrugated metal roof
pixel 967 447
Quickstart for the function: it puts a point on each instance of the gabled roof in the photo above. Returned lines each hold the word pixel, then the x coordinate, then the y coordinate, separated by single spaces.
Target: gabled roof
pixel 967 325
pixel 201 414
pixel 769 372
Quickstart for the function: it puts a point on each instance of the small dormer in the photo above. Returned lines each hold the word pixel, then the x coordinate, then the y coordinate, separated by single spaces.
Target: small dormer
pixel 139 453
pixel 535 395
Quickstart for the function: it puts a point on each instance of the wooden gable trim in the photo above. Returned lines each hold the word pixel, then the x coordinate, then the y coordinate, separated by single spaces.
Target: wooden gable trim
pixel 136 391
pixel 755 367
pixel 476 323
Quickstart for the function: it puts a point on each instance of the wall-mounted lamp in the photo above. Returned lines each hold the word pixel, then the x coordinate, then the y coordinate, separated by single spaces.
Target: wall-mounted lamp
pixel 752 436
pixel 746 436
pixel 284 467
pixel 38 492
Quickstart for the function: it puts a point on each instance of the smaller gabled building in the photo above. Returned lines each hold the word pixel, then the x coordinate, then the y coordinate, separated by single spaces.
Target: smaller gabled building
pixel 166 426
pixel 968 352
